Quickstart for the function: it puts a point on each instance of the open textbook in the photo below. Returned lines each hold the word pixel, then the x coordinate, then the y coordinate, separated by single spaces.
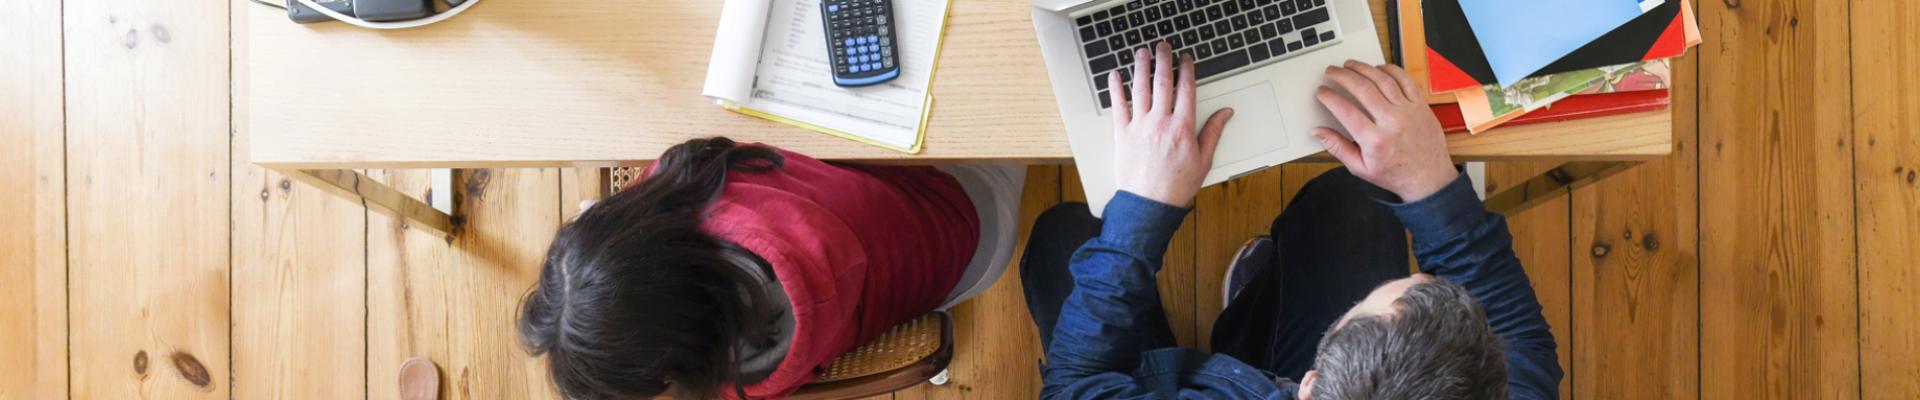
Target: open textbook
pixel 770 61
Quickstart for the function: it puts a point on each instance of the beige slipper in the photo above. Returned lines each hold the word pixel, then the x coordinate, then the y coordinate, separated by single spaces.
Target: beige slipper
pixel 419 380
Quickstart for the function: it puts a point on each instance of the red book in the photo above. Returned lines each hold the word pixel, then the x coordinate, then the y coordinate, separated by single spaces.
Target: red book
pixel 1571 108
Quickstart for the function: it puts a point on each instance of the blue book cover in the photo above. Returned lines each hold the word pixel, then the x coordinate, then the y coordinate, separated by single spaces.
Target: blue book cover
pixel 1522 36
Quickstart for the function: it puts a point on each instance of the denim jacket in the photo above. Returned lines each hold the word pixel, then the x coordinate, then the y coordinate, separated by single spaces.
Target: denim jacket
pixel 1097 352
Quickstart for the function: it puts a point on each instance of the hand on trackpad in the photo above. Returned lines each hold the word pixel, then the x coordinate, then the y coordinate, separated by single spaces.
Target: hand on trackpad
pixel 1257 124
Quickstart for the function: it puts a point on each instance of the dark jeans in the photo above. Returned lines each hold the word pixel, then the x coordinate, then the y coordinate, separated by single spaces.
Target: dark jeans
pixel 1336 244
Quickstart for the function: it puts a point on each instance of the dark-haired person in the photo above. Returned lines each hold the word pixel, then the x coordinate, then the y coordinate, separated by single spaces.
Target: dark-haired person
pixel 1326 301
pixel 737 270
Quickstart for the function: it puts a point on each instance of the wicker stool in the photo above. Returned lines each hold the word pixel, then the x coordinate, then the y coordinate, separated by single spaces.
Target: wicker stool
pixel 908 354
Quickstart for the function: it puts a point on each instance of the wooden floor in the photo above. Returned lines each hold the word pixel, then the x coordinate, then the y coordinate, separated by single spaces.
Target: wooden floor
pixel 1773 255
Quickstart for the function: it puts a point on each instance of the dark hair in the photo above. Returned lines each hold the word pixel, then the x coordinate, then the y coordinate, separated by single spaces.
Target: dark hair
pixel 634 298
pixel 1436 345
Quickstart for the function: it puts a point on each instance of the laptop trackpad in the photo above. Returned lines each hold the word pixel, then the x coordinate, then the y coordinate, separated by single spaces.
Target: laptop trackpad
pixel 1256 128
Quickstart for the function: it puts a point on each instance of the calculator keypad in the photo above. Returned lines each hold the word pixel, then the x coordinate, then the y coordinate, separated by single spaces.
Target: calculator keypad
pixel 860 38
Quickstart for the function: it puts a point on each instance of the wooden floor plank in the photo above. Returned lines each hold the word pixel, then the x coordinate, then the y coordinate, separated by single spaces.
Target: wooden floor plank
pixel 1225 217
pixel 1778 291
pixel 1635 288
pixel 996 348
pixel 33 253
pixel 299 289
pixel 147 179
pixel 1886 46
pixel 408 299
pixel 511 216
pixel 1540 240
pixel 456 302
pixel 299 277
pixel 1635 297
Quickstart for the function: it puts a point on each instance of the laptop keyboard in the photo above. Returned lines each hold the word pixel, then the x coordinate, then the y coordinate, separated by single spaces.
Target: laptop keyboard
pixel 1224 36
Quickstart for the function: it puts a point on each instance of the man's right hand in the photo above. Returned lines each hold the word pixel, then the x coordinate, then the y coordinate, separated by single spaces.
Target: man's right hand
pixel 1397 143
pixel 1157 153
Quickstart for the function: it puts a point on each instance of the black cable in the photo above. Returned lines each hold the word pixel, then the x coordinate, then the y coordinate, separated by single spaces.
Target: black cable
pixel 279 6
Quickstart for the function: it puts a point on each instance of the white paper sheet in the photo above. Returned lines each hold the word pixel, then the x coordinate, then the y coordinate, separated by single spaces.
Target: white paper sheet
pixel 736 51
pixel 792 78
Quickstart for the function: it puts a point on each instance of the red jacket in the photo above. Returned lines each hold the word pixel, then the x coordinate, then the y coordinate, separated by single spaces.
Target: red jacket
pixel 857 248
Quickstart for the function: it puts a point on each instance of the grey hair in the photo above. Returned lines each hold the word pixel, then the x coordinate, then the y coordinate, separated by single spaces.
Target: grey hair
pixel 1435 345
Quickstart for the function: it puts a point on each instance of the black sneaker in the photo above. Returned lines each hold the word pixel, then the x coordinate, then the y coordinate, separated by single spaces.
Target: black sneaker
pixel 1254 256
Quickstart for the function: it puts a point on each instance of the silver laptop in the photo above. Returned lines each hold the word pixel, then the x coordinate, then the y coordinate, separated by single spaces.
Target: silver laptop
pixel 1263 58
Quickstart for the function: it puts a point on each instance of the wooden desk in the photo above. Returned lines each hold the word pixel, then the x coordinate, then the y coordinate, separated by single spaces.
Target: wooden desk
pixel 591 83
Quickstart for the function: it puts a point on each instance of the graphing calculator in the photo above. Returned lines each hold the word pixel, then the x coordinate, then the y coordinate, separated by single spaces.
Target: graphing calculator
pixel 860 41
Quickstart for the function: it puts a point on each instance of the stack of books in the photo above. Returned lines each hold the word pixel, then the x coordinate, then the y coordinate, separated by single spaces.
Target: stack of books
pixel 1493 62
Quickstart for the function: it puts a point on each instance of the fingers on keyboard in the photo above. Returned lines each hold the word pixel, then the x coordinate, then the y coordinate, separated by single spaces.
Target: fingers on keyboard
pixel 1223 36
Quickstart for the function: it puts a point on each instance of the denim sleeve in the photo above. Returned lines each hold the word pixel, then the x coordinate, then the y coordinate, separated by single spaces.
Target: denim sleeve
pixel 1096 341
pixel 1457 239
